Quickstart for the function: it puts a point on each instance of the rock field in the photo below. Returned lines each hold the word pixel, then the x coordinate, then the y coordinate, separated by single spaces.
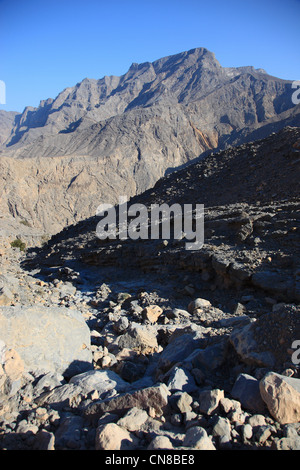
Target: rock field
pixel 147 346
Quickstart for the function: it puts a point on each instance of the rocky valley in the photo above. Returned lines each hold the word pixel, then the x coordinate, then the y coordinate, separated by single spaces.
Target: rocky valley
pixel 141 344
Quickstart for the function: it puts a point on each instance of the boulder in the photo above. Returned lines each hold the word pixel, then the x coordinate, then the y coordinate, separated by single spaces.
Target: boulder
pixel 181 379
pixel 248 349
pixel 133 419
pixel 151 397
pixel 209 400
pixel 282 397
pixel 152 313
pixel 198 303
pixel 182 343
pixel 160 442
pixel 197 438
pixel 11 370
pixel 112 437
pixel 54 339
pixel 139 338
pixel 246 391
pixel 100 380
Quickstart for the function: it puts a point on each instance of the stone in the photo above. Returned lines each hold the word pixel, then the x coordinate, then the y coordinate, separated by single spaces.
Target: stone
pixel 131 371
pixel 288 443
pixel 221 427
pixel 155 397
pixel 198 303
pixel 229 405
pixel 257 420
pixel 196 438
pixel 67 289
pixel 211 357
pixel 282 397
pixel 44 440
pixel 263 433
pixel 69 432
pixel 48 382
pixel 121 325
pixel 133 419
pixel 246 431
pixel 272 282
pixel 11 370
pixel 181 345
pixel 209 400
pixel 112 437
pixel 60 397
pixel 247 347
pixel 46 344
pixel 139 338
pixel 160 442
pixel 100 380
pixel 181 401
pixel 181 379
pixel 152 313
pixel 26 428
pixel 6 296
pixel 246 391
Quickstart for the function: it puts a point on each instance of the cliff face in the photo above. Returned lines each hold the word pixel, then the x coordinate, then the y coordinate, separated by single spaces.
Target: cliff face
pixel 119 135
pixel 7 119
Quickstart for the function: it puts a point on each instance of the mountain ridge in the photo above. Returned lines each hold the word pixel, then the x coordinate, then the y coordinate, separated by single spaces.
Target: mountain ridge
pixel 119 135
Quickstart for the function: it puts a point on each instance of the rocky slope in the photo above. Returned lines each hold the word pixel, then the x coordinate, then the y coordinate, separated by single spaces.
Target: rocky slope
pixel 7 119
pixel 119 135
pixel 170 349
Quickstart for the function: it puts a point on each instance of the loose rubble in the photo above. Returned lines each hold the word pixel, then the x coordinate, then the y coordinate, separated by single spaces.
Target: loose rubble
pixel 135 347
pixel 152 376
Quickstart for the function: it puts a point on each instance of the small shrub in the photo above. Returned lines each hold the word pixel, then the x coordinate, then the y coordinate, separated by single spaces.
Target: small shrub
pixel 17 243
pixel 25 222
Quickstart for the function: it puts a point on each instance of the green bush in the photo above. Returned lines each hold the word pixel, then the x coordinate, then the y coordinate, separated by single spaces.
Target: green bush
pixel 17 243
pixel 25 222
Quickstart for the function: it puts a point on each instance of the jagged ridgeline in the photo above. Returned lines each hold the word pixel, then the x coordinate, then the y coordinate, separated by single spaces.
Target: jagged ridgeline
pixel 120 135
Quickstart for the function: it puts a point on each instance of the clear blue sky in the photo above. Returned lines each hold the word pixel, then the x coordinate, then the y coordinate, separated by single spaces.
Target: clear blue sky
pixel 48 45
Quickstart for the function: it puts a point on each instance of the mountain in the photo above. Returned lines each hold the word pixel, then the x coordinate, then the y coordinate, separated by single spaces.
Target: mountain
pixel 119 135
pixel 7 119
pixel 251 222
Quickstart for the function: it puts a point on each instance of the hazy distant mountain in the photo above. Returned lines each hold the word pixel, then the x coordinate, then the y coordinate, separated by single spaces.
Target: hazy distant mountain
pixel 119 135
pixel 6 124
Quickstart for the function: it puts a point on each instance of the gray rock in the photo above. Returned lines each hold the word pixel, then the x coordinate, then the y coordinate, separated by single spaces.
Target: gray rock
pixel 57 339
pixel 246 346
pixel 100 380
pixel 209 400
pixel 133 419
pixel 211 357
pixel 288 443
pixel 48 382
pixel 181 345
pixel 246 390
pixel 221 427
pixel 160 442
pixel 60 397
pixel 197 438
pixel 44 440
pixel 69 432
pixel 181 379
pixel 181 401
pixel 246 431
pixel 273 282
pixel 139 338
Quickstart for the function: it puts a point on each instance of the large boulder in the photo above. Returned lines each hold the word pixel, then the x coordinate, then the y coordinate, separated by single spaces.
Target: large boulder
pixel 282 397
pixel 54 339
pixel 267 341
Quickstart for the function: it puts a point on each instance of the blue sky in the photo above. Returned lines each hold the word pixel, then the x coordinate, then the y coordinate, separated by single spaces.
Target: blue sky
pixel 48 45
